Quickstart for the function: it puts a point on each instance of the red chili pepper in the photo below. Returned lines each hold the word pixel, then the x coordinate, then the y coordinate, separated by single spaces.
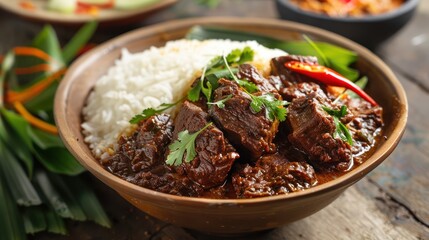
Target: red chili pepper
pixel 328 77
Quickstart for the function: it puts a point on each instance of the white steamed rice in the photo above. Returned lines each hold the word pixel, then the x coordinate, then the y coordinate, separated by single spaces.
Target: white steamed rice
pixel 148 79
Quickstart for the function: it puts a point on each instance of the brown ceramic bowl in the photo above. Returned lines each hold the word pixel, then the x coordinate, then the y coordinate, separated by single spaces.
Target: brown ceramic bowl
pixel 234 216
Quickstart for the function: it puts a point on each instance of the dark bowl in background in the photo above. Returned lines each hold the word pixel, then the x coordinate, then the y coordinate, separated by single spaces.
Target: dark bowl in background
pixel 369 30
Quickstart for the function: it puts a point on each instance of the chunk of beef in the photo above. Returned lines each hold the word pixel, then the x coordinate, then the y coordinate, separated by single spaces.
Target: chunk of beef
pixel 215 155
pixel 249 72
pixel 164 179
pixel 312 131
pixel 272 175
pixel 140 159
pixel 288 77
pixel 365 123
pixel 144 149
pixel 251 133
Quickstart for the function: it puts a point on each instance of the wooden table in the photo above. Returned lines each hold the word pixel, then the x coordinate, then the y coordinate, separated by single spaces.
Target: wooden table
pixel 390 203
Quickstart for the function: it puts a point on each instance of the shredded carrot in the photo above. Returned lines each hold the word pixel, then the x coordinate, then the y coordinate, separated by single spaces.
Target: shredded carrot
pixel 28 5
pixel 36 89
pixel 31 51
pixel 42 125
pixel 33 69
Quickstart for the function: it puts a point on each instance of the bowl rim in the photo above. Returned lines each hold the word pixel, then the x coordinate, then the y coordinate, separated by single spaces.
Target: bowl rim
pixel 407 6
pixel 91 164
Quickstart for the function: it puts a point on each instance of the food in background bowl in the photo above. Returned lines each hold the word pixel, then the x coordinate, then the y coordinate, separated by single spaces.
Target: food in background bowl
pixel 352 8
pixel 251 122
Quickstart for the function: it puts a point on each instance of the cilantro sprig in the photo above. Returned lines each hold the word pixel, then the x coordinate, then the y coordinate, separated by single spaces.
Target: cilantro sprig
pixel 340 129
pixel 220 103
pixel 184 145
pixel 216 69
pixel 149 112
pixel 274 108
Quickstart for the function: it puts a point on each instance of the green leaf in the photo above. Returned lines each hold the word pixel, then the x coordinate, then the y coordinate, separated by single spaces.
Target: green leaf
pixel 53 197
pixel 6 65
pixel 34 219
pixel 58 160
pixel 20 186
pixel 362 82
pixel 11 226
pixel 339 58
pixel 88 201
pixel 185 143
pixel 44 101
pixel 78 41
pixel 47 41
pixel 68 195
pixel 220 103
pixel 55 223
pixel 19 125
pixel 43 139
pixel 149 112
pixel 274 108
pixel 341 130
pixel 11 140
pixel 194 93
pixel 249 86
pixel 208 3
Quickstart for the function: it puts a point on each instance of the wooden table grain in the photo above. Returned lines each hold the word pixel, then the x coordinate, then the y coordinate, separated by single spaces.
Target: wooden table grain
pixel 392 202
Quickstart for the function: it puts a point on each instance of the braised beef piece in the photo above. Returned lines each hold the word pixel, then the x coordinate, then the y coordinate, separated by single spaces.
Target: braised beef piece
pixel 140 158
pixel 272 175
pixel 288 77
pixel 251 133
pixel 364 122
pixel 312 131
pixel 144 149
pixel 215 155
pixel 250 73
pixel 164 178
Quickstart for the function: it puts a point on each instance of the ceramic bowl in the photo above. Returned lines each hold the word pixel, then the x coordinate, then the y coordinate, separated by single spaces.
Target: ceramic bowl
pixel 369 31
pixel 231 216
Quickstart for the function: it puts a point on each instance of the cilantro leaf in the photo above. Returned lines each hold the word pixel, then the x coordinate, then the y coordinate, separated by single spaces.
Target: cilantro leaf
pixel 341 130
pixel 215 70
pixel 274 108
pixel 220 103
pixel 249 86
pixel 185 144
pixel 149 112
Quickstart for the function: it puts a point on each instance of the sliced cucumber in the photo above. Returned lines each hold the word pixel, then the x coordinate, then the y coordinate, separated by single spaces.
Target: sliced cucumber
pixel 64 6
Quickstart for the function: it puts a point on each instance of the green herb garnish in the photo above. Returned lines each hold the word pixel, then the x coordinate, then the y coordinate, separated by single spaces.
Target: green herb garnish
pixel 340 59
pixel 215 70
pixel 149 112
pixel 220 103
pixel 185 143
pixel 274 108
pixel 340 129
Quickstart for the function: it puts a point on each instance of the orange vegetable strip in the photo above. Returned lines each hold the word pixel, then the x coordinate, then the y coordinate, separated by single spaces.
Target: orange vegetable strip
pixel 31 51
pixel 33 69
pixel 42 125
pixel 28 5
pixel 35 89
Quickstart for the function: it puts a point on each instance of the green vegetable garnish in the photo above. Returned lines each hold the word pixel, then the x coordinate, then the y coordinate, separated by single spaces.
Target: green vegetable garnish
pixel 340 129
pixel 220 103
pixel 185 143
pixel 340 59
pixel 149 112
pixel 274 108
pixel 215 70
